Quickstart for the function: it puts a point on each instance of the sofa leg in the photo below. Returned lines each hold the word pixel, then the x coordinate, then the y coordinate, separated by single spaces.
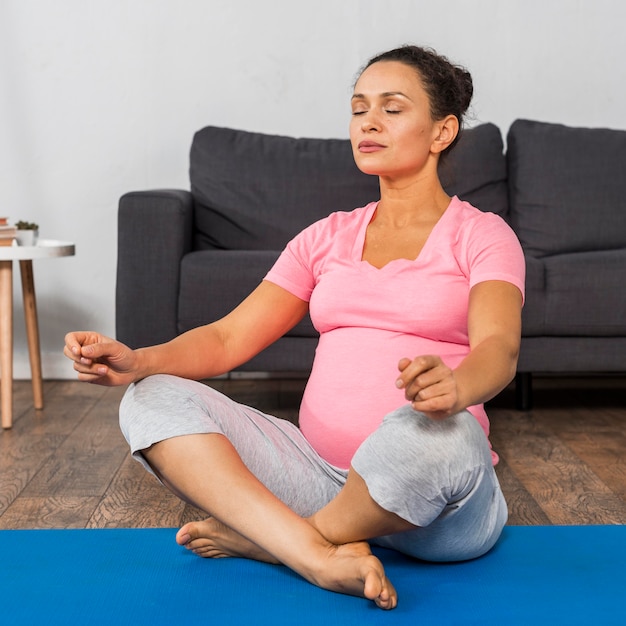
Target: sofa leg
pixel 523 391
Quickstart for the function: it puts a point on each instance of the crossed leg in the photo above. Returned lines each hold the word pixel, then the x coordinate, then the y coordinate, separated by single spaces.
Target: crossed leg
pixel 350 517
pixel 247 520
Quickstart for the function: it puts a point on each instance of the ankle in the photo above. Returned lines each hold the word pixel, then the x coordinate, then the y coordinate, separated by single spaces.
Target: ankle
pixel 316 567
pixel 324 530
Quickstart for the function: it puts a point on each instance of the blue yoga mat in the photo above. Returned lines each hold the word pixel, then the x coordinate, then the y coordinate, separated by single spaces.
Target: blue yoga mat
pixel 535 575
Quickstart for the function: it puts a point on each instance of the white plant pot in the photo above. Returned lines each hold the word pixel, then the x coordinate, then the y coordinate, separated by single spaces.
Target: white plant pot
pixel 27 237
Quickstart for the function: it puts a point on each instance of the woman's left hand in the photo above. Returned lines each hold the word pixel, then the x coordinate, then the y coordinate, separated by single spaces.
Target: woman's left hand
pixel 429 385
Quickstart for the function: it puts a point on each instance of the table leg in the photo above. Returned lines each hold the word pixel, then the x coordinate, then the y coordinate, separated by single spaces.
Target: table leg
pixel 6 342
pixel 32 330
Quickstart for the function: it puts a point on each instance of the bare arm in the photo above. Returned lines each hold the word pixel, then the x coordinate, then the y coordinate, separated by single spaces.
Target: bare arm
pixel 264 316
pixel 494 326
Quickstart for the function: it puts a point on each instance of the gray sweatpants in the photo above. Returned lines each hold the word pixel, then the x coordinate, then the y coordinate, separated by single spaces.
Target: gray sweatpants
pixel 438 475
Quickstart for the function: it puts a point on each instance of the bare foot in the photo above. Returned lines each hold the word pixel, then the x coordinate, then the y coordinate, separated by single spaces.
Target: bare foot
pixel 350 568
pixel 354 570
pixel 212 539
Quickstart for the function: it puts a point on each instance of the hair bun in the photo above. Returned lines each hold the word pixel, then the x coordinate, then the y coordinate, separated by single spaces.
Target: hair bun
pixel 465 87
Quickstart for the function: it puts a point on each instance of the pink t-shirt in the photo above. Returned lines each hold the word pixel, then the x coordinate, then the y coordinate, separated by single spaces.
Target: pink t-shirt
pixel 370 318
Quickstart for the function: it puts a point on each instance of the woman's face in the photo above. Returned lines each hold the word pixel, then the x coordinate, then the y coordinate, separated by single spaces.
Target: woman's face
pixel 391 130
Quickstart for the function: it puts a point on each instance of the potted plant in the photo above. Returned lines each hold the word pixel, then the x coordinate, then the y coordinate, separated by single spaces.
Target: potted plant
pixel 27 233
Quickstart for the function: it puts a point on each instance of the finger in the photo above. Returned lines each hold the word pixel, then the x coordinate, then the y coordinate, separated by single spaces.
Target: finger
pixel 77 342
pixel 78 338
pixel 434 383
pixel 76 357
pixel 434 408
pixel 90 369
pixel 415 368
pixel 403 364
pixel 432 380
pixel 437 401
pixel 433 390
pixel 93 351
pixel 74 353
pixel 69 353
pixel 72 345
pixel 96 380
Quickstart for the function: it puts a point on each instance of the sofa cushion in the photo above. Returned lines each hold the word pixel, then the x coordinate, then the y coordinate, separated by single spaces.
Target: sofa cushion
pixel 475 169
pixel 214 282
pixel 255 191
pixel 564 354
pixel 567 187
pixel 534 311
pixel 584 295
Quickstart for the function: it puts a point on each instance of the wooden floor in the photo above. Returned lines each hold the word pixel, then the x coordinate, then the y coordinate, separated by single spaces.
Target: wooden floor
pixel 67 466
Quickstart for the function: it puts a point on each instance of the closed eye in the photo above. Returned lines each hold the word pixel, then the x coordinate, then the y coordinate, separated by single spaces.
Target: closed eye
pixel 389 111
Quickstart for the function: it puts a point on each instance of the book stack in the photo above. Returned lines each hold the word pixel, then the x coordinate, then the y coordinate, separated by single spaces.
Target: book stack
pixel 7 232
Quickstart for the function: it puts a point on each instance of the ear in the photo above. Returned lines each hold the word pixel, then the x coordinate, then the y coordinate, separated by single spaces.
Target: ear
pixel 448 129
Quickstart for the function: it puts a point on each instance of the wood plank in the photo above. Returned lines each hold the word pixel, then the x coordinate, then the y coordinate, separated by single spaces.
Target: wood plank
pixel 67 403
pixel 567 490
pixel 87 459
pixel 523 508
pixel 51 512
pixel 20 460
pixel 22 400
pixel 37 435
pixel 136 499
pixel 191 514
pixel 605 454
pixel 561 463
pixel 597 438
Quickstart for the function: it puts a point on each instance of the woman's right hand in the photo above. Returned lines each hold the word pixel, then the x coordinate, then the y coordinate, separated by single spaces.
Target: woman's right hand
pixel 101 360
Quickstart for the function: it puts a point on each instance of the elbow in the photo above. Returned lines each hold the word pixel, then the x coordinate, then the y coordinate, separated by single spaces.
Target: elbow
pixel 513 356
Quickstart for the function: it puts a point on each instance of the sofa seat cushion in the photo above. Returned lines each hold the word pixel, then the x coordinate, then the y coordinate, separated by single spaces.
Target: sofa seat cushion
pixel 584 296
pixel 572 354
pixel 567 187
pixel 214 282
pixel 534 311
pixel 256 192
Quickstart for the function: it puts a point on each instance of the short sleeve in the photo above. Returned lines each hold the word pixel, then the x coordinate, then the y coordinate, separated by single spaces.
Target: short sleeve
pixel 494 253
pixel 293 269
pixel 308 254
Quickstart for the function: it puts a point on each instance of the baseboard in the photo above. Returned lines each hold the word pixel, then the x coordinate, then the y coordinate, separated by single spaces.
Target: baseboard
pixel 54 366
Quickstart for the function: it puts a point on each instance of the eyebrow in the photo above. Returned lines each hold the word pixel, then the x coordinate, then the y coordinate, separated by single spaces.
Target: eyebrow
pixel 385 94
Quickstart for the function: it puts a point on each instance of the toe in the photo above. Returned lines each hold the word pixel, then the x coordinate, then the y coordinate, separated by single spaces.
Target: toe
pixel 183 536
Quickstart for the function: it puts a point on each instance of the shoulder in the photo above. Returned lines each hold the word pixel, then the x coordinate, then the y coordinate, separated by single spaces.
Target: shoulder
pixel 470 223
pixel 464 212
pixel 335 232
pixel 340 226
pixel 340 220
pixel 487 248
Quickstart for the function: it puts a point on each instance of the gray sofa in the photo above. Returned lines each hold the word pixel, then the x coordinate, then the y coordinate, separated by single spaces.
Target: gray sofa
pixel 188 257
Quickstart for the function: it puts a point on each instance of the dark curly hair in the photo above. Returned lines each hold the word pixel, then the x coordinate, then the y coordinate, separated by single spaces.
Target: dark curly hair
pixel 449 87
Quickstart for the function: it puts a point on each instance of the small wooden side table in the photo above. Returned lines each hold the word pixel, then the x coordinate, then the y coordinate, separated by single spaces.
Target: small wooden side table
pixel 45 248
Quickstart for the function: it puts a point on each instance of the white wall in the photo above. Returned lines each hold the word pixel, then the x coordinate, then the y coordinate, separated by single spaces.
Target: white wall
pixel 101 97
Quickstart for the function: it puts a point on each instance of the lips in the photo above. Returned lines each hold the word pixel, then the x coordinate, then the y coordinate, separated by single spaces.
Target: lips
pixel 370 146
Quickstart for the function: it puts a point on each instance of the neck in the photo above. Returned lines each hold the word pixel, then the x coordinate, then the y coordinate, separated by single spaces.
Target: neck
pixel 404 202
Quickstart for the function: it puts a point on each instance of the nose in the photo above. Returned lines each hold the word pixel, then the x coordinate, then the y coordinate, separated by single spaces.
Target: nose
pixel 370 121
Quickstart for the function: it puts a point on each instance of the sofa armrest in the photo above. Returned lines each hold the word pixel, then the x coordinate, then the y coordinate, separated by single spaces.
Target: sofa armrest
pixel 154 233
